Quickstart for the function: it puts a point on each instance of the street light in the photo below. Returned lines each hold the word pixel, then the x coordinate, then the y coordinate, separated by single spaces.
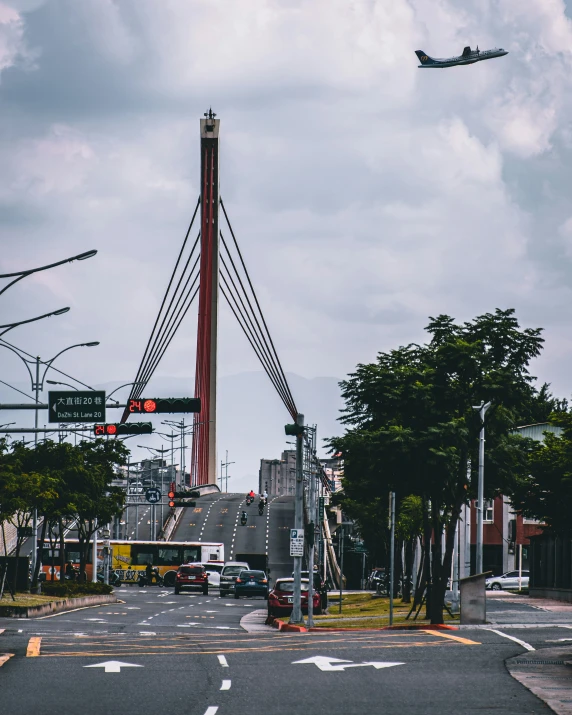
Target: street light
pixel 9 326
pixel 119 388
pixel 22 274
pixel 481 486
pixel 55 382
pixel 37 387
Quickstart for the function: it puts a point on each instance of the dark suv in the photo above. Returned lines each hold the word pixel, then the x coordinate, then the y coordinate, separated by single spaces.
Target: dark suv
pixel 192 576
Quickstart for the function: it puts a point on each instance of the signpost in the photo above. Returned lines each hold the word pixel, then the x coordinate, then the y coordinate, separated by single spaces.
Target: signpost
pixel 75 406
pixel 153 495
pixel 296 542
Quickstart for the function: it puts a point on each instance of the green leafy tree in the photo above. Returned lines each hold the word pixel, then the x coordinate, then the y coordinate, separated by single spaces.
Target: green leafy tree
pixel 544 489
pixel 413 429
pixel 64 482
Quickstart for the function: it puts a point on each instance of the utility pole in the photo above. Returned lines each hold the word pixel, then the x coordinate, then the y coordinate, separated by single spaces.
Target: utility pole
pixel 297 616
pixel 391 553
pixel 481 486
pixel 311 545
pixel 341 566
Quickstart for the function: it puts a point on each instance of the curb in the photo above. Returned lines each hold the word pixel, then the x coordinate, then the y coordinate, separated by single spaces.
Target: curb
pixel 389 628
pixel 287 627
pixel 59 606
pixel 546 673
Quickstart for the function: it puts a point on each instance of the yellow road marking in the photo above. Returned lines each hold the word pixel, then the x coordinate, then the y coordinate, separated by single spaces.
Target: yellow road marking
pixel 33 649
pixel 441 634
pixel 5 657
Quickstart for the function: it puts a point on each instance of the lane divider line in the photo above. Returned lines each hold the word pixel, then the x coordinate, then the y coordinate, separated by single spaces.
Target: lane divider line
pixel 33 649
pixel 211 710
pixel 222 661
pixel 5 657
pixel 225 685
pixel 524 644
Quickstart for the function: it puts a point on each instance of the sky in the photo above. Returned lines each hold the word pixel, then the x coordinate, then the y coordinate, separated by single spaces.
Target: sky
pixel 366 194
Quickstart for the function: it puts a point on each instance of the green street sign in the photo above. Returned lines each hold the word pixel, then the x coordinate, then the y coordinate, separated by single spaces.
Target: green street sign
pixel 73 406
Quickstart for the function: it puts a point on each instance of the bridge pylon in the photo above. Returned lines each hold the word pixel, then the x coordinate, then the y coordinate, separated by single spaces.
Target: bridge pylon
pixel 203 461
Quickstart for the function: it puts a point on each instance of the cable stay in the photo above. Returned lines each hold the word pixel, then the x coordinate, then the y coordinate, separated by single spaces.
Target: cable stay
pixel 179 295
pixel 244 304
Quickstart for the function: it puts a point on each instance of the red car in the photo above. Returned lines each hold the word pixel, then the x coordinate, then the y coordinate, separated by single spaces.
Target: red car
pixel 192 576
pixel 281 597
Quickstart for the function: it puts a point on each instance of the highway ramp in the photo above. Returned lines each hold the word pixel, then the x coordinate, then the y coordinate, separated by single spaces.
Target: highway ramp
pixel 216 518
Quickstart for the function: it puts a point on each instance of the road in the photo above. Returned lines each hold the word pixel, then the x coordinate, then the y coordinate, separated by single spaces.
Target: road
pixel 193 656
pixel 216 517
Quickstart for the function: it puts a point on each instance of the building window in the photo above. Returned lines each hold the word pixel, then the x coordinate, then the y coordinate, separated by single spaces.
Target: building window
pixel 488 511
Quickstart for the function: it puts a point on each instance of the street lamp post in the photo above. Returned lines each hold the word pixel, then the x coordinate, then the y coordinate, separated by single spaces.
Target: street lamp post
pixel 37 387
pixel 225 465
pixel 481 486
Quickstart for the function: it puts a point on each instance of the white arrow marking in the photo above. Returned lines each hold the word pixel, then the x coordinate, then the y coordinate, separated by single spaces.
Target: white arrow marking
pixel 113 666
pixel 325 663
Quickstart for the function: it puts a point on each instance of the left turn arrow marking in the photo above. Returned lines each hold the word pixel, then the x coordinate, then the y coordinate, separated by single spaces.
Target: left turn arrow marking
pixel 113 666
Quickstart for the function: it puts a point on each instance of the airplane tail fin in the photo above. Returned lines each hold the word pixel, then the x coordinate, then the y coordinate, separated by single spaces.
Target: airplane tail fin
pixel 424 58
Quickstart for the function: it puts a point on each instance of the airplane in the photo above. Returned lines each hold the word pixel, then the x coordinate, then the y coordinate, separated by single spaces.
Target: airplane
pixel 468 57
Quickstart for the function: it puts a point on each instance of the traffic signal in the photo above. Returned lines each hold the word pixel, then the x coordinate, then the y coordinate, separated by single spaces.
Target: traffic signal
pixel 171 496
pixel 183 498
pixel 293 430
pixel 156 405
pixel 116 429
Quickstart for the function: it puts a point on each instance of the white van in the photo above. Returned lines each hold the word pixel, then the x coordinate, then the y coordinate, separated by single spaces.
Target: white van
pixel 213 568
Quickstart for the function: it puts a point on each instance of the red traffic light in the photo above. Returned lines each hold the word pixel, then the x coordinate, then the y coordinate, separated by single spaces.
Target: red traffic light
pixel 171 503
pixel 171 495
pixel 149 406
pixel 109 429
pixel 165 404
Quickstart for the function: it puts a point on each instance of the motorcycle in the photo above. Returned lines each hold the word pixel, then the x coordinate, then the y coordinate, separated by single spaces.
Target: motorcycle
pixel 144 581
pixel 243 519
pixel 249 500
pixel 114 579
pixel 260 509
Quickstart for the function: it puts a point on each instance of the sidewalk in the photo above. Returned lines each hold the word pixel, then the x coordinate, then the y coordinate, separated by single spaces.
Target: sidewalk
pixel 546 672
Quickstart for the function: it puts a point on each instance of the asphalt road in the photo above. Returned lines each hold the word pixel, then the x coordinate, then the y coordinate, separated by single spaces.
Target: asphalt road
pixel 189 654
pixel 216 518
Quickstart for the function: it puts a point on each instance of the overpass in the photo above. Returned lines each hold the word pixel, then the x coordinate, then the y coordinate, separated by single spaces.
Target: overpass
pixel 216 517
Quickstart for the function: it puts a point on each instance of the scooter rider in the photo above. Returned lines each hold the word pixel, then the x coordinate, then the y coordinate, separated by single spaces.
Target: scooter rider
pixel 244 518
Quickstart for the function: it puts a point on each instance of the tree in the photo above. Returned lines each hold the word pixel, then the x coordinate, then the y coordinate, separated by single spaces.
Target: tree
pixel 413 429
pixel 544 489
pixel 63 482
pixel 24 490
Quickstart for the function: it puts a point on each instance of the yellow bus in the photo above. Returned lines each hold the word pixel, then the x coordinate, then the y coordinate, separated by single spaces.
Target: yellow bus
pixel 129 558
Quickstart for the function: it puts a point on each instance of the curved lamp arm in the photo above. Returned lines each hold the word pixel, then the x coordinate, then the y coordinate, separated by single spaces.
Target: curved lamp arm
pixel 22 274
pixel 8 327
pixel 48 363
pixel 3 345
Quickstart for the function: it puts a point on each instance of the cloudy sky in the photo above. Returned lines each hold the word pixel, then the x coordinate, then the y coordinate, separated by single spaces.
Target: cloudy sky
pixel 367 194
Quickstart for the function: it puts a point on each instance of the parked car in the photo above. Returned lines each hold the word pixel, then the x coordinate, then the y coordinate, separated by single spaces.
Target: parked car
pixel 281 598
pixel 192 576
pixel 229 574
pixel 251 583
pixel 506 581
